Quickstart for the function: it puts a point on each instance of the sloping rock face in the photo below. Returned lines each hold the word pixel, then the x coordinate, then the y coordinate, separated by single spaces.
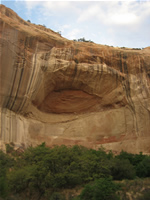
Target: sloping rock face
pixel 63 92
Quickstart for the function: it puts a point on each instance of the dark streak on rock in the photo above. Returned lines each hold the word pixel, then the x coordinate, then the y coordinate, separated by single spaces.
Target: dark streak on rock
pixel 7 105
pixel 24 62
pixel 128 92
pixel 30 81
pixel 17 88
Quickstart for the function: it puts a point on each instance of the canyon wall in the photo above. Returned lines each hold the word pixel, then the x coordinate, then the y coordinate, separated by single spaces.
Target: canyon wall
pixel 59 91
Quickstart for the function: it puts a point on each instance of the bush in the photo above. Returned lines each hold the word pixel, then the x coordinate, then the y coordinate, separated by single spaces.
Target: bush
pixel 57 196
pixel 9 148
pixel 6 163
pixel 41 169
pixel 3 186
pixel 122 169
pixel 18 180
pixel 143 168
pixel 83 40
pixel 134 159
pixel 101 189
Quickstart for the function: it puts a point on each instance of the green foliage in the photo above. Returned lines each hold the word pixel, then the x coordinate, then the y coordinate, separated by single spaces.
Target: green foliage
pixel 83 40
pixel 5 164
pixel 143 168
pixel 134 159
pixel 41 169
pixel 122 169
pixel 3 186
pixel 101 189
pixel 18 180
pixel 136 48
pixel 9 148
pixel 57 196
pixel 140 162
pixel 6 161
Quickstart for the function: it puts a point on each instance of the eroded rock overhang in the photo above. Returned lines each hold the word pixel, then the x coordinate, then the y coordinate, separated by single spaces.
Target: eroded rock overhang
pixel 66 92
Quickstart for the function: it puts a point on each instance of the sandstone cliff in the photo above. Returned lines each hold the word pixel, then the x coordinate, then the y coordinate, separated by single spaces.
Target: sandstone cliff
pixel 65 92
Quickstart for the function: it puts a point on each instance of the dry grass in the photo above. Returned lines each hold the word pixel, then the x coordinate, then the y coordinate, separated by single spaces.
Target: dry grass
pixel 137 189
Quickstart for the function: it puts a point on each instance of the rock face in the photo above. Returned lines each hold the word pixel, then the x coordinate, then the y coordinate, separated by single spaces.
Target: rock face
pixel 59 91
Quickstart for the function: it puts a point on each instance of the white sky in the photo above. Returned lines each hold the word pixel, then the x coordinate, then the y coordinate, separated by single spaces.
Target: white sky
pixel 114 23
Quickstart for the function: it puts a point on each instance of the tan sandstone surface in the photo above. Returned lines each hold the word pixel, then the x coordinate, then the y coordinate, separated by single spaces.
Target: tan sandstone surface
pixel 60 91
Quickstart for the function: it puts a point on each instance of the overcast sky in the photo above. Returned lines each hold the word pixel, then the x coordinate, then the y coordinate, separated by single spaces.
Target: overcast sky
pixel 114 23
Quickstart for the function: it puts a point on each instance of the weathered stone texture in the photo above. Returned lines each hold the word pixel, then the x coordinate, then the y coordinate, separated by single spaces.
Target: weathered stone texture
pixel 63 92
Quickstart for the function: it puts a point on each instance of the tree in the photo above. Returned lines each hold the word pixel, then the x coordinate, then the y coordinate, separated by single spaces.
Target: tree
pixel 134 159
pixel 143 168
pixel 57 196
pixel 122 169
pixel 6 162
pixel 18 180
pixel 101 189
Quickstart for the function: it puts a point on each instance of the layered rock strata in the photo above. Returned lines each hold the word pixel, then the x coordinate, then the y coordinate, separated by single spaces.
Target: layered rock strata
pixel 59 91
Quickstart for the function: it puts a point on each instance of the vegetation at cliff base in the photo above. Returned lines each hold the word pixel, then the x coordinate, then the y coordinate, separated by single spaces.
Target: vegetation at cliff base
pixel 100 189
pixel 42 172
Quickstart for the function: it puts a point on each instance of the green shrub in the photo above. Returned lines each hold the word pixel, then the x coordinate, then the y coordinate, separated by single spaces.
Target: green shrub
pixel 143 168
pixel 122 169
pixel 18 180
pixel 6 162
pixel 57 196
pixel 134 159
pixel 41 169
pixel 9 148
pixel 101 189
pixel 3 186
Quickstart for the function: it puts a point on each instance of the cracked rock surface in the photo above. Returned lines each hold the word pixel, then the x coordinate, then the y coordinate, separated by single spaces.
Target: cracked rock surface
pixel 60 91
